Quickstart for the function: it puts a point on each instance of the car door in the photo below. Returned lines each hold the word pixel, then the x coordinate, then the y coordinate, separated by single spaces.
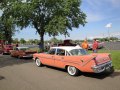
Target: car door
pixel 49 58
pixel 60 58
pixel 15 52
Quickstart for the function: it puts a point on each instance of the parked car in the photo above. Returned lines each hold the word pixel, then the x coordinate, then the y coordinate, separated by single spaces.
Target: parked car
pixel 100 45
pixel 67 42
pixel 74 59
pixel 6 49
pixel 22 52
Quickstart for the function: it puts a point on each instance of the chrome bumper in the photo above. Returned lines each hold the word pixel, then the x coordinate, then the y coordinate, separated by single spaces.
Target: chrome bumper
pixel 27 56
pixel 103 67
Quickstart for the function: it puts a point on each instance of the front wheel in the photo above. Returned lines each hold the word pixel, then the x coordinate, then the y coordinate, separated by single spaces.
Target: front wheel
pixel 73 71
pixel 38 62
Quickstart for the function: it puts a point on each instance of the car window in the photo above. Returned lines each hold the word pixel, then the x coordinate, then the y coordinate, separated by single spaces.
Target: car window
pixel 24 49
pixel 61 52
pixel 77 52
pixel 52 51
pixel 67 54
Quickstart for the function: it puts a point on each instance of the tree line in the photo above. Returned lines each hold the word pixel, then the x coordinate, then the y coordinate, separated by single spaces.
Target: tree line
pixel 57 41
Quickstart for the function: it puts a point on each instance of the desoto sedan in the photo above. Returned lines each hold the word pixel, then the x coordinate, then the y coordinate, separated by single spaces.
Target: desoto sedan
pixel 75 59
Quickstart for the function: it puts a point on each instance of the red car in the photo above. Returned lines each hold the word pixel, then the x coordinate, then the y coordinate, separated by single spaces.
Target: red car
pixel 22 52
pixel 6 49
pixel 67 42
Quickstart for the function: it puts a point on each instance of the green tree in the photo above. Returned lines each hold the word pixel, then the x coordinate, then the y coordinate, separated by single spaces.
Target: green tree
pixel 22 41
pixel 55 40
pixel 15 40
pixel 54 17
pixel 7 28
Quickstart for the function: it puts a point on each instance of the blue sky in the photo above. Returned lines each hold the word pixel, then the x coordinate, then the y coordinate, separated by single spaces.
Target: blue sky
pixel 99 14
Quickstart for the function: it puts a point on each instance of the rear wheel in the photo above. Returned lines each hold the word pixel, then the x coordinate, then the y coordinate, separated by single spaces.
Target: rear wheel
pixel 73 71
pixel 38 62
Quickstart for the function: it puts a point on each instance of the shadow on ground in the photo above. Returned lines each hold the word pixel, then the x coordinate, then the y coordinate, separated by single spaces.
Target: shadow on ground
pixel 101 75
pixel 6 60
pixel 1 77
pixel 91 75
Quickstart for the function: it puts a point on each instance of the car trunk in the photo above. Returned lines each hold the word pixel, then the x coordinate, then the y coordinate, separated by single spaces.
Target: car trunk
pixel 101 58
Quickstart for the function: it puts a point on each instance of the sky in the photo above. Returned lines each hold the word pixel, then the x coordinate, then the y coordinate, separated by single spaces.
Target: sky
pixel 103 19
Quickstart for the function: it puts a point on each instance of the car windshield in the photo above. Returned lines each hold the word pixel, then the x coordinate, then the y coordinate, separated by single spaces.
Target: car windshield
pixel 77 52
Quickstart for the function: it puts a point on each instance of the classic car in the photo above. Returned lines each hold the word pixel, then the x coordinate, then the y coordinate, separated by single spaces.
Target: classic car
pixel 22 52
pixel 6 49
pixel 100 45
pixel 74 59
pixel 67 42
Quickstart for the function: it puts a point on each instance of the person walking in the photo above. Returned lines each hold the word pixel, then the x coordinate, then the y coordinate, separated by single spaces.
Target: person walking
pixel 95 46
pixel 85 45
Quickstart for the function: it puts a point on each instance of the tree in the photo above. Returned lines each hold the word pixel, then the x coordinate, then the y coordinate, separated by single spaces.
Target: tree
pixel 55 40
pixel 54 17
pixel 15 40
pixel 22 41
pixel 7 28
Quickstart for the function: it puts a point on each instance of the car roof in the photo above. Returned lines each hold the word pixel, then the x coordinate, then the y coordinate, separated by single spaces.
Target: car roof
pixel 21 47
pixel 67 48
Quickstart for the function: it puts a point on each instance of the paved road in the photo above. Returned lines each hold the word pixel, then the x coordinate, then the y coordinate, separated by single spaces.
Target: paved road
pixel 21 74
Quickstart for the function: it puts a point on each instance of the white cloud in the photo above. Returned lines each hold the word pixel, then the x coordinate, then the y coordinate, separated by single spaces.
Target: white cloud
pixel 109 25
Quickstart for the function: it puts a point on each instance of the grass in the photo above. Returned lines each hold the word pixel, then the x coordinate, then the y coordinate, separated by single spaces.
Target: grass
pixel 115 54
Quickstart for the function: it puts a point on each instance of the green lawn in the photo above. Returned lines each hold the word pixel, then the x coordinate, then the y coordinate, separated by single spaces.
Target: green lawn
pixel 115 54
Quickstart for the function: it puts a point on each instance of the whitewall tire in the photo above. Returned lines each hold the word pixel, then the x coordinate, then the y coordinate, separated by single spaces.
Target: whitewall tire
pixel 38 62
pixel 73 71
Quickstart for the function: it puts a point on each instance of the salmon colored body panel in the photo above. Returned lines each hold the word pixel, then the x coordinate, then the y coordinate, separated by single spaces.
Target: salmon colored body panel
pixel 47 59
pixel 83 63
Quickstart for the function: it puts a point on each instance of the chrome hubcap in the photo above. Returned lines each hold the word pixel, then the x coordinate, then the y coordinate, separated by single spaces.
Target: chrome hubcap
pixel 38 62
pixel 71 70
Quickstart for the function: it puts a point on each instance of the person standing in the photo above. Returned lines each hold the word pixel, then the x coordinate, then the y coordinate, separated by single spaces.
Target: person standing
pixel 17 45
pixel 95 46
pixel 85 45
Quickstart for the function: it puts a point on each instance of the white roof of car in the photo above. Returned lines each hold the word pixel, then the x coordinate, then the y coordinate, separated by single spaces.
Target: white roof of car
pixel 67 48
pixel 21 47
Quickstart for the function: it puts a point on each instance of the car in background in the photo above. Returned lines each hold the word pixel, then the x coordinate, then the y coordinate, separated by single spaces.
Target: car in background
pixel 100 45
pixel 22 52
pixel 74 59
pixel 67 42
pixel 6 49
